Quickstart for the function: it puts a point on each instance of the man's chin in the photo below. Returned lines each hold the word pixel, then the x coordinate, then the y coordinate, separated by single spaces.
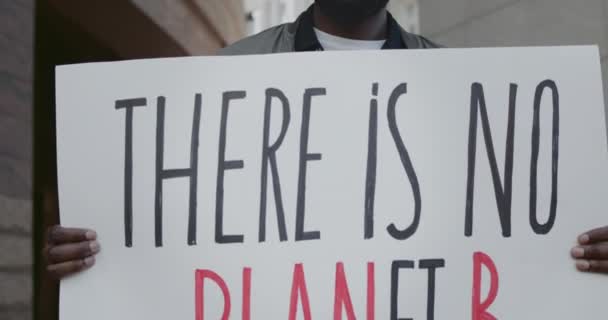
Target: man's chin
pixel 350 11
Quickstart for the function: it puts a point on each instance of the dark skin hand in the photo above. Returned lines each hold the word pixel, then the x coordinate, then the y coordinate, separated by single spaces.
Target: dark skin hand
pixel 591 254
pixel 69 251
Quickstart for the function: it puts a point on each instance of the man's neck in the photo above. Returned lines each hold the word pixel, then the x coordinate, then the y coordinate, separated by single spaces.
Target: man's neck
pixel 372 28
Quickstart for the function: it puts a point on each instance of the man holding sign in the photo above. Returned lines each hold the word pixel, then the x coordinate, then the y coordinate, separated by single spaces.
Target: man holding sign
pixel 353 25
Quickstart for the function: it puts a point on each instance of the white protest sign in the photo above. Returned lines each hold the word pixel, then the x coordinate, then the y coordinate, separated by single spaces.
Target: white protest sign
pixel 423 184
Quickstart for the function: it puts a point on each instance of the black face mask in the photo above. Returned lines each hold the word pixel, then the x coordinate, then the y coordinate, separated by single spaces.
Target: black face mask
pixel 350 11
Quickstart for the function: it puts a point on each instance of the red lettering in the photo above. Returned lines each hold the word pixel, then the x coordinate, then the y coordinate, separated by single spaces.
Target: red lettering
pixel 342 295
pixel 298 288
pixel 371 291
pixel 480 308
pixel 246 293
pixel 199 294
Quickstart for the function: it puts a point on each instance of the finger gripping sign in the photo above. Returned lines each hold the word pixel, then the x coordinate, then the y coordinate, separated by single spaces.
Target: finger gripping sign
pixel 433 184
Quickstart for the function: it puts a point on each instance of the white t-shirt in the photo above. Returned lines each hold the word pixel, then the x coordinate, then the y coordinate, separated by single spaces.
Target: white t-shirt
pixel 331 42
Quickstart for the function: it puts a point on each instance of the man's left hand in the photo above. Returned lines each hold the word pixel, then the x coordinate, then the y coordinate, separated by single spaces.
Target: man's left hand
pixel 592 252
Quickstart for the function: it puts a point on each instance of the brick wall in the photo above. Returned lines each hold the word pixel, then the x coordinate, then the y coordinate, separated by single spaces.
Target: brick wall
pixel 480 23
pixel 16 47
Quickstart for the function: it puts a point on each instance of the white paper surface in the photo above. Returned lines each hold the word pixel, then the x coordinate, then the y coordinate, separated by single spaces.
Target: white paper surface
pixel 537 278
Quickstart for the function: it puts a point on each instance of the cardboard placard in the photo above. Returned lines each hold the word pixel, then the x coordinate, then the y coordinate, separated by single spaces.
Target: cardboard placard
pixel 424 184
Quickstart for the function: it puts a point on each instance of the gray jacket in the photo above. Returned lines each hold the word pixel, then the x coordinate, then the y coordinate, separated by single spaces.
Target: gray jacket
pixel 282 39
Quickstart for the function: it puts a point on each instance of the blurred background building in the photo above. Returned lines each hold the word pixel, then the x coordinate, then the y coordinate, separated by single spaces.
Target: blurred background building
pixel 37 35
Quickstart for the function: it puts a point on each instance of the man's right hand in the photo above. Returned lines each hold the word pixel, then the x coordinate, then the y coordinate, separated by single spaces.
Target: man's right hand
pixel 69 250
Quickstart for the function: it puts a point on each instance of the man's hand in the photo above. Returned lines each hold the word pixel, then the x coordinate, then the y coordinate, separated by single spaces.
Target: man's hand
pixel 68 251
pixel 592 252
